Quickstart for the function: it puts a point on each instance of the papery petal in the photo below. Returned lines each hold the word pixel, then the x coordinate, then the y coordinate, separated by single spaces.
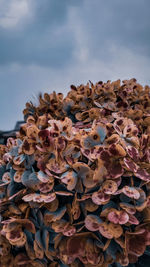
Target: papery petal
pixel 69 230
pixel 76 245
pixel 100 198
pixel 131 192
pixel 105 231
pixel 17 176
pixel 128 207
pixel 130 165
pixel 113 139
pixel 92 222
pixel 133 219
pixel 90 206
pixel 43 177
pixel 57 167
pixel 59 225
pixel 116 230
pixel 19 159
pixel 115 170
pixel 15 235
pixel 39 252
pixel 135 243
pixel 45 187
pixel 70 179
pixel 28 146
pixel 100 173
pixel 109 187
pixel 117 150
pixel 29 179
pixel 88 180
pixel 120 217
pixel 142 174
pixel 133 152
pixel 54 216
pixel 101 131
pixel 28 197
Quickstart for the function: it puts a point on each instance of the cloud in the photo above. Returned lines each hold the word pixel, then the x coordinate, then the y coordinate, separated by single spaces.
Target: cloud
pixel 125 23
pixel 42 38
pixel 12 12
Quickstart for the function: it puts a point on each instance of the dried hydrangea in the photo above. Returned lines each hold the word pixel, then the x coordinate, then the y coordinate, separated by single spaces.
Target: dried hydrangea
pixel 75 182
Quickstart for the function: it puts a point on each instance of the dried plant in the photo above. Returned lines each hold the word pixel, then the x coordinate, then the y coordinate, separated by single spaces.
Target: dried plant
pixel 75 182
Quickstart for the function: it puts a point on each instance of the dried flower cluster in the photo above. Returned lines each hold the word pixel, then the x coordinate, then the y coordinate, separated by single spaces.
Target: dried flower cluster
pixel 75 183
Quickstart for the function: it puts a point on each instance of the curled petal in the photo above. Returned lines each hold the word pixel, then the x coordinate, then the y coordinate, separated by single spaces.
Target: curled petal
pixel 81 168
pixel 48 198
pixel 39 252
pixel 6 178
pixel 113 139
pixel 64 193
pixel 39 197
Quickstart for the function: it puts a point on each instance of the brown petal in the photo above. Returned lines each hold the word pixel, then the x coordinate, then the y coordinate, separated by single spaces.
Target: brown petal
pixel 116 230
pixel 100 197
pixel 69 230
pixel 109 187
pixel 139 240
pixel 105 230
pixel 92 222
pixel 90 206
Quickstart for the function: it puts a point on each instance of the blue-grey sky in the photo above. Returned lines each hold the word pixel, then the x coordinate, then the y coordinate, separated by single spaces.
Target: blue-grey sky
pixel 47 45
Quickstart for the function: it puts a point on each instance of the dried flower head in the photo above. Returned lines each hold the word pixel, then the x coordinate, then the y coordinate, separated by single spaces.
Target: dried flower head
pixel 75 182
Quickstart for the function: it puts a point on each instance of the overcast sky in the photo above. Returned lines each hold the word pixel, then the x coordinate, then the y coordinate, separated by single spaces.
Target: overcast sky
pixel 47 45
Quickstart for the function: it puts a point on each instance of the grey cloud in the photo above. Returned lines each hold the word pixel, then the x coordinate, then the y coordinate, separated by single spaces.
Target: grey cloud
pixel 48 40
pixel 43 40
pixel 124 23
